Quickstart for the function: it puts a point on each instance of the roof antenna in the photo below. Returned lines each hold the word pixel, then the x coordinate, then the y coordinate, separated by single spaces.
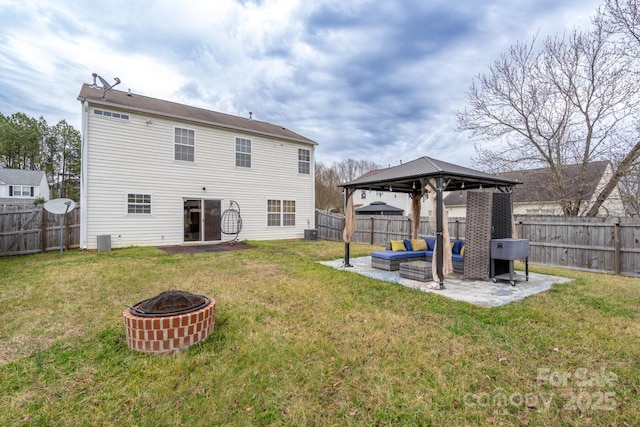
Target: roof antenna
pixel 105 86
pixel 250 115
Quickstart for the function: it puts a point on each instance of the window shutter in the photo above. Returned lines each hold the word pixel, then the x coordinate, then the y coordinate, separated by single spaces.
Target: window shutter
pixel 31 191
pixel 11 191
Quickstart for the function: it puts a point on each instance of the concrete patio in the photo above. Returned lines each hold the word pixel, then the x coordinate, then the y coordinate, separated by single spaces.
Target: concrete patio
pixel 484 294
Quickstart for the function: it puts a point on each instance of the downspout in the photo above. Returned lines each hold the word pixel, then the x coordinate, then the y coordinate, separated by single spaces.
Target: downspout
pixel 83 176
pixel 313 187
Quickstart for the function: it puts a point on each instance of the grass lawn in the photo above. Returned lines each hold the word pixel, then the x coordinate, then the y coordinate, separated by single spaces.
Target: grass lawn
pixel 297 343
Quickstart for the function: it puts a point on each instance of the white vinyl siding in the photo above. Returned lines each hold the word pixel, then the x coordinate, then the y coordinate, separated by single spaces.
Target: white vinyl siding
pixel 243 152
pixel 184 140
pixel 304 161
pixel 138 159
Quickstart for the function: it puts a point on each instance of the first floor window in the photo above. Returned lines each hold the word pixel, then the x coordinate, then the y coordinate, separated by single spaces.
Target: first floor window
pixel 139 203
pixel 20 191
pixel 281 213
pixel 289 213
pixel 304 161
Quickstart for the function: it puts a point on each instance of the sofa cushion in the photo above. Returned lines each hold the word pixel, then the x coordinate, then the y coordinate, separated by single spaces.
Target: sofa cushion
pixel 457 246
pixel 389 255
pixel 464 248
pixel 457 258
pixel 398 245
pixel 408 245
pixel 431 242
pixel 419 245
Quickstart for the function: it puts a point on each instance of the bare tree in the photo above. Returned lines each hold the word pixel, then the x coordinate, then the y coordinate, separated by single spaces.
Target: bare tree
pixel 564 102
pixel 350 169
pixel 622 18
pixel 328 195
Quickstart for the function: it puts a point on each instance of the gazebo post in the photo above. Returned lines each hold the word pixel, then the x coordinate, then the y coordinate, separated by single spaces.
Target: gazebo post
pixel 347 249
pixel 439 230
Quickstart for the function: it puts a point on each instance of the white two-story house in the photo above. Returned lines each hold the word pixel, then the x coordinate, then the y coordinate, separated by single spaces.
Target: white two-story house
pixel 158 173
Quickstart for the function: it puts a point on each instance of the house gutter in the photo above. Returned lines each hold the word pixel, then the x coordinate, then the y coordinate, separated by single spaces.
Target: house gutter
pixel 83 176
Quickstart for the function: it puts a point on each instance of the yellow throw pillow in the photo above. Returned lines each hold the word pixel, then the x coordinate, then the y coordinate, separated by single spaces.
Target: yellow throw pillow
pixel 419 244
pixel 464 247
pixel 397 245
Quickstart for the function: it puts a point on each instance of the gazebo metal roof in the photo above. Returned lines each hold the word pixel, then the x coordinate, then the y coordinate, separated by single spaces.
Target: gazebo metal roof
pixel 405 178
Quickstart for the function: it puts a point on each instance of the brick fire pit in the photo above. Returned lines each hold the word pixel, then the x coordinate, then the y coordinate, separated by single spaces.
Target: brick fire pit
pixel 171 333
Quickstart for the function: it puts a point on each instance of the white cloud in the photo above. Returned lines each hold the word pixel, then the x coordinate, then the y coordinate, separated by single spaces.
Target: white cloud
pixel 365 79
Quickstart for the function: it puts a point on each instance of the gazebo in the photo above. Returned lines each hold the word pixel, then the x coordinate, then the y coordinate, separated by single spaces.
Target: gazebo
pixel 416 178
pixel 379 208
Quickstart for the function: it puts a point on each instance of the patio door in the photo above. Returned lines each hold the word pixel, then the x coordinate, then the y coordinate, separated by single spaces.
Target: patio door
pixel 192 220
pixel 212 220
pixel 202 224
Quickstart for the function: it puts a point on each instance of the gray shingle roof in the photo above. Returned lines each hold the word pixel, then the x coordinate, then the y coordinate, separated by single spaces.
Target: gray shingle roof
pixel 537 184
pixel 145 104
pixel 402 177
pixel 20 177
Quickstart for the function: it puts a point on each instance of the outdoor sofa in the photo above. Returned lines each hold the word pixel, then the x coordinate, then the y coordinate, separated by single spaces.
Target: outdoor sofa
pixel 399 251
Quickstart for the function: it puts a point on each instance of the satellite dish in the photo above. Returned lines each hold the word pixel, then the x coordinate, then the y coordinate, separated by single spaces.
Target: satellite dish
pixel 60 206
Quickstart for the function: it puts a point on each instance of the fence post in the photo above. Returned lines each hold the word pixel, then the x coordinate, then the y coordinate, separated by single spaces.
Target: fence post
pixel 372 225
pixel 44 220
pixel 616 242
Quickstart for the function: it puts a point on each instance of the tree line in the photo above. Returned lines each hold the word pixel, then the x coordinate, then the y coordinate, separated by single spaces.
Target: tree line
pixel 327 178
pixel 31 144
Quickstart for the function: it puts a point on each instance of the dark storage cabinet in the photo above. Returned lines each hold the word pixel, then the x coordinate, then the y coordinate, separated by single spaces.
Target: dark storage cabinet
pixel 509 250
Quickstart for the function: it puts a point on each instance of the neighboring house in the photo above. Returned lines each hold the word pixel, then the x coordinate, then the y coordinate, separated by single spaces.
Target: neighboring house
pixel 160 173
pixel 19 186
pixel 379 208
pixel 536 196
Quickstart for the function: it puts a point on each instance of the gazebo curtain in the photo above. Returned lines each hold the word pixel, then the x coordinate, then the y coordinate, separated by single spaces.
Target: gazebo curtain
pixel 447 266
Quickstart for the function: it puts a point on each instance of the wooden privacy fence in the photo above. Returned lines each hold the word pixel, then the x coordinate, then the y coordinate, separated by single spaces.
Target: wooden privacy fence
pixel 27 230
pixel 605 245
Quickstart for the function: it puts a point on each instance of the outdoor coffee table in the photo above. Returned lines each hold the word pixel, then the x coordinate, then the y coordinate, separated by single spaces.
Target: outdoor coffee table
pixel 416 270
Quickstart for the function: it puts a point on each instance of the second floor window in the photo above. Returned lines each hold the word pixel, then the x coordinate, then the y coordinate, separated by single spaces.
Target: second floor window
pixel 243 152
pixel 304 161
pixel 184 141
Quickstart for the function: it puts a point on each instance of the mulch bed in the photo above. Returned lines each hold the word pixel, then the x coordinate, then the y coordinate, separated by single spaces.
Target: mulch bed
pixel 198 249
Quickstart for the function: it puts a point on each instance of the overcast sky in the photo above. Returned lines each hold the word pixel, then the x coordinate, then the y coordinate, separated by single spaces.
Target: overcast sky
pixel 369 80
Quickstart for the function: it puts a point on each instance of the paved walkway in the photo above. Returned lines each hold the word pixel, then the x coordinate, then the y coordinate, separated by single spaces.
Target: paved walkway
pixel 484 294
